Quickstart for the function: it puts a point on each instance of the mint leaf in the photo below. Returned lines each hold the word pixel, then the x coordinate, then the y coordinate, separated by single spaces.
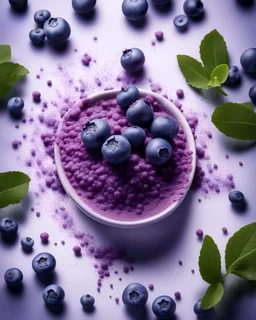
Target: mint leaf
pixel 248 105
pixel 195 74
pixel 213 50
pixel 212 296
pixel 220 73
pixel 209 261
pixel 235 120
pixel 240 255
pixel 222 91
pixel 13 187
pixel 10 73
pixel 214 83
pixel 5 53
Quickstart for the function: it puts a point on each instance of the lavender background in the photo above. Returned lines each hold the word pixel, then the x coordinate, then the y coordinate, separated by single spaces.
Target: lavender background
pixel 157 248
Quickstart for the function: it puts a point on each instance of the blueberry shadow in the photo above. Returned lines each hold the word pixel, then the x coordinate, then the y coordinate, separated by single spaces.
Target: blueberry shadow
pixel 17 290
pixel 89 310
pixel 138 24
pixel 251 75
pixel 137 314
pixel 240 209
pixel 46 280
pixel 19 12
pixel 60 49
pixel 27 251
pixel 87 17
pixel 163 8
pixel 9 241
pixel 210 315
pixel 56 310
pixel 245 4
pixel 200 18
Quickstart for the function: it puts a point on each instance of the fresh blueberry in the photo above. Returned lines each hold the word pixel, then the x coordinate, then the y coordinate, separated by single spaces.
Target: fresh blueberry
pixel 8 227
pixel 198 308
pixel 193 8
pixel 140 113
pixel 159 151
pixel 116 149
pixel 132 60
pixel 248 60
pixel 127 96
pixel 27 243
pixel 181 22
pixel 37 36
pixel 236 198
pixel 252 93
pixel 135 295
pixel 95 132
pixel 135 135
pixel 233 76
pixel 53 295
pixel 164 307
pixel 13 277
pixel 160 2
pixel 15 106
pixel 44 263
pixel 164 127
pixel 135 9
pixel 18 4
pixel 41 16
pixel 57 30
pixel 83 6
pixel 87 301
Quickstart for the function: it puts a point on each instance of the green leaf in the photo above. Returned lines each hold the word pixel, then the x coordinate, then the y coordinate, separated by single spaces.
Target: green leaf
pixel 213 50
pixel 240 255
pixel 220 73
pixel 195 74
pixel 5 53
pixel 214 83
pixel 209 261
pixel 248 105
pixel 13 187
pixel 222 91
pixel 10 73
pixel 235 120
pixel 212 296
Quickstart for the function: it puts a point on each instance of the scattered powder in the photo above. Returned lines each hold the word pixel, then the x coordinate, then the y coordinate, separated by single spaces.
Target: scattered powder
pixel 177 295
pixel 86 59
pixel 159 35
pixel 38 76
pixel 192 271
pixel 241 164
pixel 180 93
pixel 15 144
pixel 77 250
pixel 151 287
pixel 180 262
pixel 36 95
pixel 200 233
pixel 153 42
pixel 49 83
pixel 117 300
pixel 44 236
pixel 224 230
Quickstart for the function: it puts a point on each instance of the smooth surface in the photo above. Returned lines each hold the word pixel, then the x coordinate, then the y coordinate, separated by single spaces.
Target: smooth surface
pixel 157 248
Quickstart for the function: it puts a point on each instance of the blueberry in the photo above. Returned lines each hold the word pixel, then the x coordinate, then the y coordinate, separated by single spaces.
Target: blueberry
pixel 95 132
pixel 135 295
pixel 44 263
pixel 37 36
pixel 159 151
pixel 15 106
pixel 8 227
pixel 27 243
pixel 127 96
pixel 13 277
pixel 248 60
pixel 164 127
pixel 83 6
pixel 164 307
pixel 18 4
pixel 193 8
pixel 140 113
pixel 41 16
pixel 87 301
pixel 132 59
pixel 233 75
pixel 160 2
pixel 181 22
pixel 53 295
pixel 57 30
pixel 135 9
pixel 135 135
pixel 198 308
pixel 252 93
pixel 116 149
pixel 236 198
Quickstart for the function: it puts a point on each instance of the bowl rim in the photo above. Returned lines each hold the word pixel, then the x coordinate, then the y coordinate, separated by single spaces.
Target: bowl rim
pixel 169 108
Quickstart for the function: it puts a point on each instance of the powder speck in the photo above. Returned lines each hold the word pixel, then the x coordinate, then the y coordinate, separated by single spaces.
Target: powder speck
pixel 151 287
pixel 200 233
pixel 159 35
pixel 180 93
pixel 44 236
pixel 77 250
pixel 177 295
pixel 180 262
pixel 36 95
pixel 224 230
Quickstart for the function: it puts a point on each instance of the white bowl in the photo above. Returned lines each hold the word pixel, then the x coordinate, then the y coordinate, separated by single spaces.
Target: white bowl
pixel 169 108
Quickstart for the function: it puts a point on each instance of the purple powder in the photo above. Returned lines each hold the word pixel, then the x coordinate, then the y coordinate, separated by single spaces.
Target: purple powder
pixel 177 295
pixel 49 83
pixel 77 250
pixel 111 286
pixel 36 95
pixel 224 230
pixel 180 93
pixel 192 271
pixel 15 144
pixel 38 214
pixel 86 59
pixel 117 300
pixel 38 76
pixel 241 164
pixel 200 233
pixel 153 42
pixel 151 287
pixel 126 269
pixel 95 38
pixel 44 236
pixel 159 35
pixel 180 262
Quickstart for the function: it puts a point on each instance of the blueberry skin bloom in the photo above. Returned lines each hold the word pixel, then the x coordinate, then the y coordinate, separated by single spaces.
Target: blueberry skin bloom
pixel 116 149
pixel 127 96
pixel 15 106
pixel 252 93
pixel 95 133
pixel 159 151
pixel 37 36
pixel 13 277
pixel 248 60
pixel 181 22
pixel 87 301
pixel 164 307
pixel 134 9
pixel 57 30
pixel 164 127
pixel 83 6
pixel 236 198
pixel 140 113
pixel 135 135
pixel 198 308
pixel 132 60
pixel 18 4
pixel 53 295
pixel 41 16
pixel 8 227
pixel 44 263
pixel 233 76
pixel 135 295
pixel 27 243
pixel 193 8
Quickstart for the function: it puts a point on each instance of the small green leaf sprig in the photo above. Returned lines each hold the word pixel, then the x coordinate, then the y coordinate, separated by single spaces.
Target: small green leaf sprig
pixel 240 260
